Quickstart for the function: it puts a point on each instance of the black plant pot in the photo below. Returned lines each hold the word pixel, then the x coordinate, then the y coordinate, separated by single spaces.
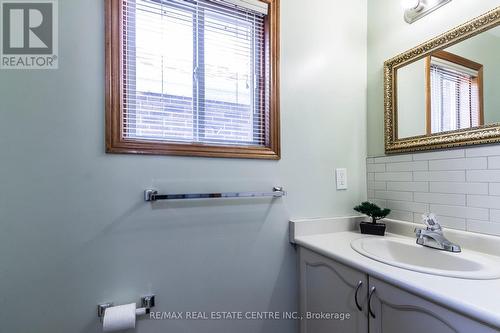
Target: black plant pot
pixel 372 229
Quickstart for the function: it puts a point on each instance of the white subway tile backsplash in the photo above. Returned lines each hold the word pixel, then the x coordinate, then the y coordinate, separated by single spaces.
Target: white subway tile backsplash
pixel 394 176
pixel 494 162
pixel 483 151
pixel 408 166
pixel 483 176
pixel 445 221
pixel 494 188
pixel 482 227
pixel 401 215
pixel 377 185
pixel 417 217
pixel 459 188
pixel 452 222
pixel 392 159
pixel 438 198
pixel 393 195
pixel 460 211
pixel 495 215
pixel 375 167
pixel 380 202
pixel 459 164
pixel 439 176
pixel 408 186
pixel 439 155
pixel 484 201
pixel 409 206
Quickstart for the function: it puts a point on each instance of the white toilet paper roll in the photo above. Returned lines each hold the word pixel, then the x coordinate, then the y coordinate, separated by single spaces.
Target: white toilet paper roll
pixel 119 318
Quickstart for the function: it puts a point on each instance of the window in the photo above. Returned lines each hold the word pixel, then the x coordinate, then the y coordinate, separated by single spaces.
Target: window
pixel 193 77
pixel 454 93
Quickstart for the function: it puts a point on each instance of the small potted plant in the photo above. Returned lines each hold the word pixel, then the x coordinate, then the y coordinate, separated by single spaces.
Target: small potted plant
pixel 375 213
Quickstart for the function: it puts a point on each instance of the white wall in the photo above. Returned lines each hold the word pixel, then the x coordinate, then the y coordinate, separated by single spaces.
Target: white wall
pixel 389 35
pixel 74 230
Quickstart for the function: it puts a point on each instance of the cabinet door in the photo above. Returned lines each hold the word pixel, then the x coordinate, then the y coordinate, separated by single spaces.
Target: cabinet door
pixel 397 311
pixel 329 288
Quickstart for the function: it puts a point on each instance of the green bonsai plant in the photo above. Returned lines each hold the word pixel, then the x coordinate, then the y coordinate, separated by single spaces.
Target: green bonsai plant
pixel 372 210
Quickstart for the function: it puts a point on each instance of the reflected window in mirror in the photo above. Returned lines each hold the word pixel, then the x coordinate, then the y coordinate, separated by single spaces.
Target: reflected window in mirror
pixel 454 90
pixel 456 102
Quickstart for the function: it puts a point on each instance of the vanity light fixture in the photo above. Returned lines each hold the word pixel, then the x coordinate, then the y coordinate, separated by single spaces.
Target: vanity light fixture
pixel 416 9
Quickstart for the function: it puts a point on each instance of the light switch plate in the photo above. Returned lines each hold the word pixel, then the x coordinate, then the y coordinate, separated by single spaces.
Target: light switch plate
pixel 341 177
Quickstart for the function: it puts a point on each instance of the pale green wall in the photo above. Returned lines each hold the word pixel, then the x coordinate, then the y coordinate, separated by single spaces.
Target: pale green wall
pixel 74 229
pixel 411 100
pixel 389 35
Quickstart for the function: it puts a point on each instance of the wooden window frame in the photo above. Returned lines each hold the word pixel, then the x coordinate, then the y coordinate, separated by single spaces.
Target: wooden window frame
pixel 114 78
pixel 453 58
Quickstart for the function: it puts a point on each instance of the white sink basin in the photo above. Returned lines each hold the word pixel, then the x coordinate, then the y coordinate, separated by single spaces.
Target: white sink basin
pixel 405 253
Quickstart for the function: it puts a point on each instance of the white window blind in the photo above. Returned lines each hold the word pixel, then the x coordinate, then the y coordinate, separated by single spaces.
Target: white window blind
pixel 255 5
pixel 454 97
pixel 195 72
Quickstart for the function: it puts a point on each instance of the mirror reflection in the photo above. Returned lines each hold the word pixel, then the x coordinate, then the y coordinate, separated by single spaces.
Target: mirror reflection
pixel 452 89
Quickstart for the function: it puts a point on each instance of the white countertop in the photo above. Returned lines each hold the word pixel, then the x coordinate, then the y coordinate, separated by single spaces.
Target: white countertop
pixel 478 299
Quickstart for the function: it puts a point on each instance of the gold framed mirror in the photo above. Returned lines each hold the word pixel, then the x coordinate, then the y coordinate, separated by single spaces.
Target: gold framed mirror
pixel 445 92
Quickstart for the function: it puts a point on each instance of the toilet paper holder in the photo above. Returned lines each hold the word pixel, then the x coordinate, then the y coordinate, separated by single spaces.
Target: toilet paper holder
pixel 147 302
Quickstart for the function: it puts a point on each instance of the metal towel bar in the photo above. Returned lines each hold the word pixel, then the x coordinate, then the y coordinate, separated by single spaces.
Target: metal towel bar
pixel 152 195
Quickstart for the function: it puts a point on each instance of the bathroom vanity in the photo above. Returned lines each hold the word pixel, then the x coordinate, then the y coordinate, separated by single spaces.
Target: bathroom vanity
pixel 381 297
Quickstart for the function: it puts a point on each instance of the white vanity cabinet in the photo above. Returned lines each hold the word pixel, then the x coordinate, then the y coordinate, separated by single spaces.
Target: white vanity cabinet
pixel 328 286
pixel 394 310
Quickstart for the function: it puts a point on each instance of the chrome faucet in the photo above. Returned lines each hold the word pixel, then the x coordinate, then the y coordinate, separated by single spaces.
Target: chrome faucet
pixel 433 236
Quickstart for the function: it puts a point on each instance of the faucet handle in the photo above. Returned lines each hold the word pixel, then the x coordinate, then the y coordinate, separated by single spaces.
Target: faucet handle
pixel 430 220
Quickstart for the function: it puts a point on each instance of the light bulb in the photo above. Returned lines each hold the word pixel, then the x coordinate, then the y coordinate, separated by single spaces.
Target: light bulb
pixel 410 4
